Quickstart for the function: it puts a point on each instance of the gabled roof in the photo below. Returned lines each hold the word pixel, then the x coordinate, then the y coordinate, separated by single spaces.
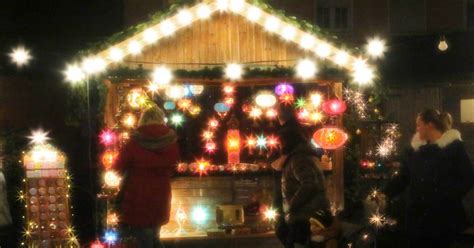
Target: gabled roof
pixel 308 37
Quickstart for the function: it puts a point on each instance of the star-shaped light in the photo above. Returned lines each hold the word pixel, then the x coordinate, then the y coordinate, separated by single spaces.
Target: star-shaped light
pixel 20 56
pixel 38 137
pixel 262 142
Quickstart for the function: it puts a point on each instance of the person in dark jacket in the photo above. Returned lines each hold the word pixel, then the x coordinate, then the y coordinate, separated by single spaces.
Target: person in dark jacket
pixel 438 174
pixel 300 192
pixel 147 163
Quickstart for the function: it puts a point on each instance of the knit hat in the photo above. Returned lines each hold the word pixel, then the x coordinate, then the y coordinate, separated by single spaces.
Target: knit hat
pixel 153 115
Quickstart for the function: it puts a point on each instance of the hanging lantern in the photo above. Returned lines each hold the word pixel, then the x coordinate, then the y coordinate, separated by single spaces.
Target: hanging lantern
pixel 196 90
pixel 330 138
pixel 221 107
pixel 265 99
pixel 108 158
pixel 233 146
pixel 284 88
pixel 334 107
pixel 169 105
pixel 137 98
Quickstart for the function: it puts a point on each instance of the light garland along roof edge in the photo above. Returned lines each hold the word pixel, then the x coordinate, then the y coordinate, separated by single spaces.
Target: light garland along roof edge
pixel 163 24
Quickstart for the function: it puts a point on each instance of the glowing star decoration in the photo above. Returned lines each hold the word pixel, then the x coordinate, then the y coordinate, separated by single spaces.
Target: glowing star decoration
pixel 330 138
pixel 334 107
pixel 74 74
pixel 265 100
pixel 38 137
pixel 116 54
pixel 303 115
pixel 184 104
pixel 271 114
pixel 111 237
pixel 228 89
pixel 376 47
pixel 262 142
pixel 134 47
pixel 175 92
pixel 210 147
pixel 213 123
pixel 255 113
pixel 137 98
pixel 177 119
pixel 316 99
pixel 129 120
pixel 20 56
pixel 251 142
pixel 287 99
pixel 202 167
pixel 233 72
pixel 341 58
pixel 306 69
pixel 207 135
pixel 284 88
pixel 108 158
pixel 184 17
pixel 162 76
pixel 153 87
pixel 270 214
pixel 272 142
pixel 316 117
pixel 111 179
pixel 199 215
pixel 377 220
pixel 112 219
pixel 300 103
pixel 254 14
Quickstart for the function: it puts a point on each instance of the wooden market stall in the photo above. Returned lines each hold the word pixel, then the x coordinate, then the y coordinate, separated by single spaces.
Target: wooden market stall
pixel 191 40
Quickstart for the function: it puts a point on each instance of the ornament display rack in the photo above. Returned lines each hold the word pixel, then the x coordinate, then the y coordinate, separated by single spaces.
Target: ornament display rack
pixel 197 193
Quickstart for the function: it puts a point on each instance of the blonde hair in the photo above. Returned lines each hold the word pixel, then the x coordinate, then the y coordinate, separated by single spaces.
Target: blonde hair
pixel 153 115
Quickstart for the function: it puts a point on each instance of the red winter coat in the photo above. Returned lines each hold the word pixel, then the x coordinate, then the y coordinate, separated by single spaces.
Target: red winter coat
pixel 146 163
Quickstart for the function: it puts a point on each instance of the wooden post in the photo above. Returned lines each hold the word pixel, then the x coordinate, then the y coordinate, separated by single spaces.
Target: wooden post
pixel 338 166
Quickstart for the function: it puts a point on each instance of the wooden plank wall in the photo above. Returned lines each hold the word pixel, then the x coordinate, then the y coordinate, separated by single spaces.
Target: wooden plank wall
pixel 222 39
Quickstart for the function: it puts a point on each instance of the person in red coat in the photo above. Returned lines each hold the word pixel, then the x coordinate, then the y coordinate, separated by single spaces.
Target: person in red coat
pixel 146 163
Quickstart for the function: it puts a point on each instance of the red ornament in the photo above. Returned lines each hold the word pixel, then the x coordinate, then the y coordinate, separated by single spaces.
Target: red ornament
pixel 97 244
pixel 334 107
pixel 330 138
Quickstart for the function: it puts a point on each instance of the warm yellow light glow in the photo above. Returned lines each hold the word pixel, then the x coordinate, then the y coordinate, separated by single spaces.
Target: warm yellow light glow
pixel 185 17
pixel 74 74
pixel 38 137
pixel 20 56
pixel 306 69
pixel 323 50
pixel 254 14
pixel 150 36
pixel 111 179
pixel 316 99
pixel 153 87
pixel 270 214
pixel 289 33
pixel 272 24
pixel 237 5
pixel 162 75
pixel 307 41
pixel 233 71
pixel 341 58
pixel 222 5
pixel 134 47
pixel 375 47
pixel 93 65
pixel 203 11
pixel 363 75
pixel 167 28
pixel 265 99
pixel 175 92
pixel 116 54
pixel 129 120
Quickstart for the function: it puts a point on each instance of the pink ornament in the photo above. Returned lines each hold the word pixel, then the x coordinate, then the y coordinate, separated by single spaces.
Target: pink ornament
pixel 334 107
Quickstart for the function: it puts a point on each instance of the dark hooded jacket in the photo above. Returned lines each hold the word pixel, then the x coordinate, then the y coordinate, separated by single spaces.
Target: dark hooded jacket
pixel 438 176
pixel 147 162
